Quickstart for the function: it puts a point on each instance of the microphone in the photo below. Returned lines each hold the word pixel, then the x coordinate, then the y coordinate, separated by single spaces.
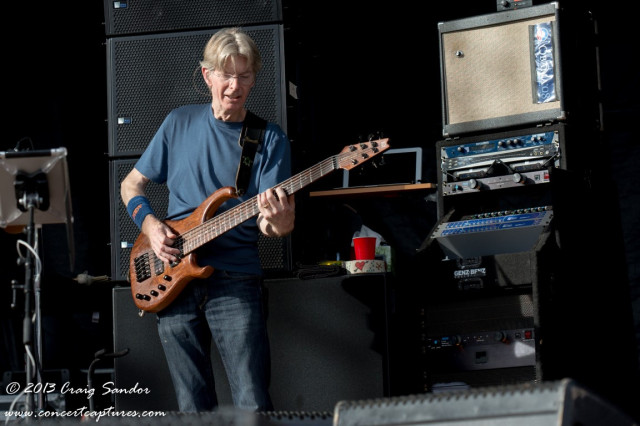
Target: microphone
pixel 87 279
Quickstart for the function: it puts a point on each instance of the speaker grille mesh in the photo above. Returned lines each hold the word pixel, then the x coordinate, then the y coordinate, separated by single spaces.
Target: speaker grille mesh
pixel 148 76
pixel 274 254
pixel 483 84
pixel 148 16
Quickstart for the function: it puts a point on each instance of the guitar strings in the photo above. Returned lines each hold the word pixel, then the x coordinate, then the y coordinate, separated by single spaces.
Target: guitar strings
pixel 217 225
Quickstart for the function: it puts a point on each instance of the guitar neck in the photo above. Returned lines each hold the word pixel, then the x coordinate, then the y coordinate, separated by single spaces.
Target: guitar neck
pixel 219 224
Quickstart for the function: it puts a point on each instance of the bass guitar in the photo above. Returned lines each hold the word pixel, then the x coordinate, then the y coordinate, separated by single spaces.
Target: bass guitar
pixel 154 284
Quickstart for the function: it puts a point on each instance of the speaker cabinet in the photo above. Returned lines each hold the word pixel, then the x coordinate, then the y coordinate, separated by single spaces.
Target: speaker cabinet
pixel 564 402
pixel 145 366
pixel 158 16
pixel 149 75
pixel 275 253
pixel 501 70
pixel 328 343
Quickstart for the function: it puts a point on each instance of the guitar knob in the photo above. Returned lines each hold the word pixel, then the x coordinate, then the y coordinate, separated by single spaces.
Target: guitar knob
pixel 154 293
pixel 139 296
pixel 166 278
pixel 162 287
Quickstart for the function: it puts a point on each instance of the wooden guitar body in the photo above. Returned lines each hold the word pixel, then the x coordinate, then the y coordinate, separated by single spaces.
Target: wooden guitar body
pixel 155 284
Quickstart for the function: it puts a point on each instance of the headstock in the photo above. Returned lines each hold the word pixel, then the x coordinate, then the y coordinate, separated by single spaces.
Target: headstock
pixel 353 155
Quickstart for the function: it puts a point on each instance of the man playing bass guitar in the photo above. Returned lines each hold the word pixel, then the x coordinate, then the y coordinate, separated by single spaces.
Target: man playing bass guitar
pixel 196 152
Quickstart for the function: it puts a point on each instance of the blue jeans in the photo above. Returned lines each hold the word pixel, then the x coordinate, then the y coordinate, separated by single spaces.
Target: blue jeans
pixel 228 307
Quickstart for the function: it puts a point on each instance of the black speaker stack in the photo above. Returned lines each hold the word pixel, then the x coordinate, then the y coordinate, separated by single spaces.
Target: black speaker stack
pixel 153 54
pixel 526 271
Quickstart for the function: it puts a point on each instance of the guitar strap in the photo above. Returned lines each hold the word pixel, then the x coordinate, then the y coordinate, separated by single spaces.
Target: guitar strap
pixel 250 137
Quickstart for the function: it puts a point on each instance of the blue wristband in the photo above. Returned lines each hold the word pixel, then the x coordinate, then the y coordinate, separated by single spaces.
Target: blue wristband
pixel 138 208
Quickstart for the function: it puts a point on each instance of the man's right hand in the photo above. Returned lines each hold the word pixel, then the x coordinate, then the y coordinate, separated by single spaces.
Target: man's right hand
pixel 161 239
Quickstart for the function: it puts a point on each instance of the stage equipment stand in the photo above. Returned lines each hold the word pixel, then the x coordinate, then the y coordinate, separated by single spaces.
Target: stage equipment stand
pixel 34 191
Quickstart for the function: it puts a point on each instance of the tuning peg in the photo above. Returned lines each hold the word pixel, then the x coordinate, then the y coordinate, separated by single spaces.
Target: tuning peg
pixel 376 135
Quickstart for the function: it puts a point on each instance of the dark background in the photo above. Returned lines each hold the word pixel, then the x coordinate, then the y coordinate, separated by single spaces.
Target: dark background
pixel 362 69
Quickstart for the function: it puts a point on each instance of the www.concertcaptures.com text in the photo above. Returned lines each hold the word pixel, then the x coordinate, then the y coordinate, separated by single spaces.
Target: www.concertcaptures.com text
pixel 84 413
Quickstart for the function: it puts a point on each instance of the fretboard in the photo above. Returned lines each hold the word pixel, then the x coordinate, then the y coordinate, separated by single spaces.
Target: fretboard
pixel 219 224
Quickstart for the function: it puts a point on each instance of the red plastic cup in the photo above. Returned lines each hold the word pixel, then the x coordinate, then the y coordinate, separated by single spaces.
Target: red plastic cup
pixel 364 248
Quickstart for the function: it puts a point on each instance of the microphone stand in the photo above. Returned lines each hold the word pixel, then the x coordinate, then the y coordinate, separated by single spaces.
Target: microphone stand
pixel 29 202
pixel 34 189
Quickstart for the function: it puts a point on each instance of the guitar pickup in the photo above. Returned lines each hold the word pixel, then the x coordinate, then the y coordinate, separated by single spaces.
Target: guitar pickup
pixel 158 265
pixel 141 265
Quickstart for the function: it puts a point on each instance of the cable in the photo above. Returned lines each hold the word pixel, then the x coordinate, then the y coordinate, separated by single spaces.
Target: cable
pixel 38 269
pixel 32 359
pixel 13 404
pixel 21 394
pixel 35 365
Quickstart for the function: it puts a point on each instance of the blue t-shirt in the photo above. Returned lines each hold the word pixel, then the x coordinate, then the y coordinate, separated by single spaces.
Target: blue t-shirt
pixel 196 154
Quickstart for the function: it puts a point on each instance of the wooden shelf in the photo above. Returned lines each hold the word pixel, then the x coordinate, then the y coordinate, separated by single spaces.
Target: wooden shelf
pixel 373 190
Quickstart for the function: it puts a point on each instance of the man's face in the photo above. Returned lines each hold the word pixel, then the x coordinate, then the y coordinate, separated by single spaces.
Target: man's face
pixel 230 87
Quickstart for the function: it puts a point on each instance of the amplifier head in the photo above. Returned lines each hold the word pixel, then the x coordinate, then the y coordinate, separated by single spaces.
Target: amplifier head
pixel 501 70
